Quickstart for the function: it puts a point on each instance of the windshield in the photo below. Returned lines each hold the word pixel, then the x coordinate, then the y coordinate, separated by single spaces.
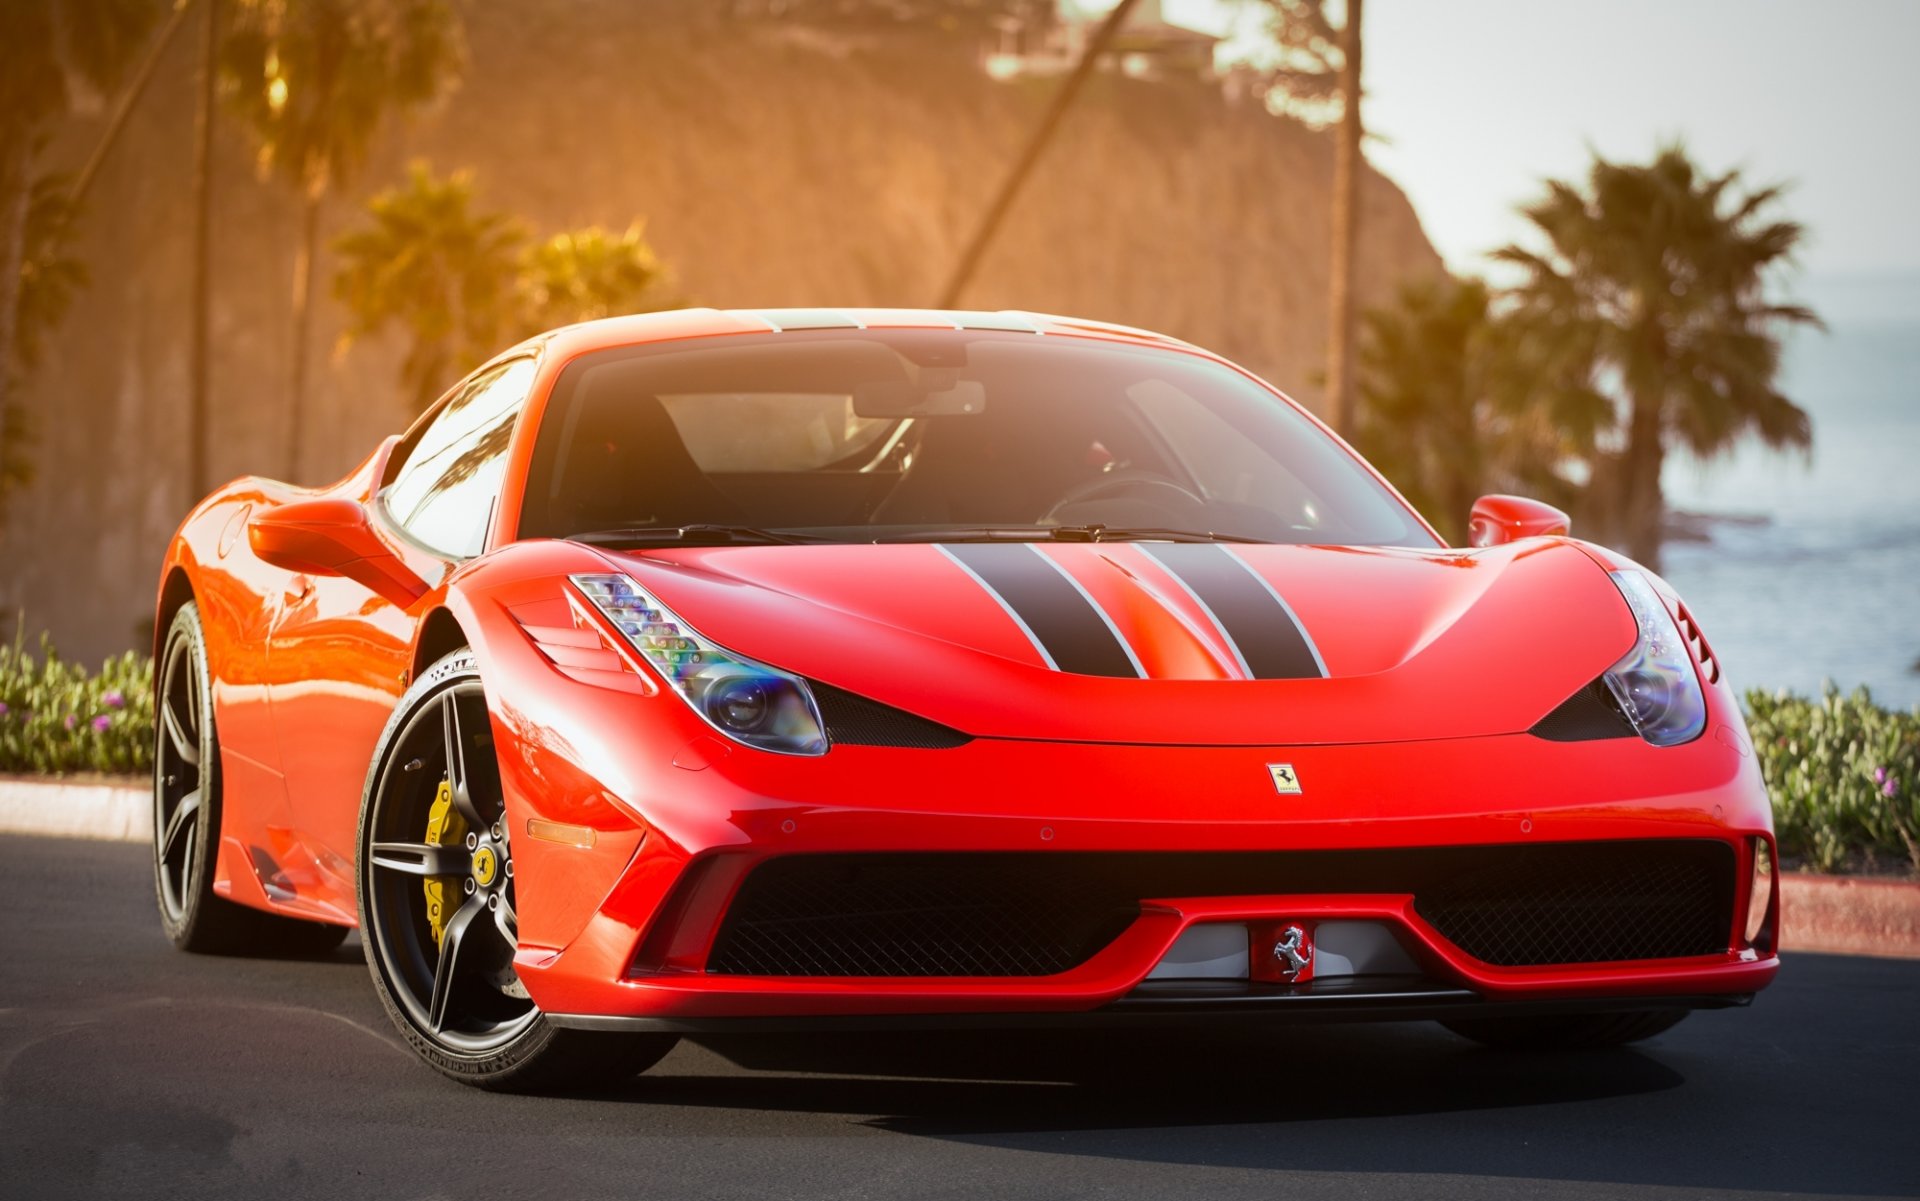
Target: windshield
pixel 865 435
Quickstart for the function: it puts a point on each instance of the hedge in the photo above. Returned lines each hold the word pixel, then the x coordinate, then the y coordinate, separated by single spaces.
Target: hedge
pixel 58 717
pixel 1844 772
pixel 1845 778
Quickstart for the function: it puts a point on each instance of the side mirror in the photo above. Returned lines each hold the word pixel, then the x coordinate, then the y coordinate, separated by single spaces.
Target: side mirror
pixel 1501 519
pixel 332 537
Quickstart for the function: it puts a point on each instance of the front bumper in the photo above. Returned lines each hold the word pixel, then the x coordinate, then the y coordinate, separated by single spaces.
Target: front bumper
pixel 620 933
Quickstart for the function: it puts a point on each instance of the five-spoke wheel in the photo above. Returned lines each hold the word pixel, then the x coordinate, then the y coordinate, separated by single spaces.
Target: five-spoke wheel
pixel 437 902
pixel 179 784
pixel 186 816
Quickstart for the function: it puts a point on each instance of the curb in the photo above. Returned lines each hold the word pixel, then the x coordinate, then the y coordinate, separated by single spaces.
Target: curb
pixel 1836 915
pixel 101 807
pixel 1850 915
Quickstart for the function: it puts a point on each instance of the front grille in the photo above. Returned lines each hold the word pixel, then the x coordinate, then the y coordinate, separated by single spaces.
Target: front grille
pixel 1588 904
pixel 1038 914
pixel 901 915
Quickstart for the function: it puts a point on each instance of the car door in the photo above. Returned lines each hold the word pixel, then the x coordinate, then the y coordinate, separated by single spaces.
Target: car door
pixel 339 653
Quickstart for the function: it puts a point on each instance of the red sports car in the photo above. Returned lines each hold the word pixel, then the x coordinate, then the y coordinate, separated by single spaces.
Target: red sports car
pixel 770 670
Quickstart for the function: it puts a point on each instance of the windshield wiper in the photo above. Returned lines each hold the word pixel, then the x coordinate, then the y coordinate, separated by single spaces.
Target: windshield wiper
pixel 1068 533
pixel 688 535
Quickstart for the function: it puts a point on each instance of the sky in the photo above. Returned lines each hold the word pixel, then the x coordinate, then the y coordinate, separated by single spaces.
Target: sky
pixel 1476 101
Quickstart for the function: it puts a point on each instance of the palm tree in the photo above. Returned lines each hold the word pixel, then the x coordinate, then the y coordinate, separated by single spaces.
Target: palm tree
pixel 1450 415
pixel 47 47
pixel 462 282
pixel 313 79
pixel 587 273
pixel 432 264
pixel 1653 285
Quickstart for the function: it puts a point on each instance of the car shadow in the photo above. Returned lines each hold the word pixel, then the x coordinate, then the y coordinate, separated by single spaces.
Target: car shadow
pixel 971 1083
pixel 1403 1098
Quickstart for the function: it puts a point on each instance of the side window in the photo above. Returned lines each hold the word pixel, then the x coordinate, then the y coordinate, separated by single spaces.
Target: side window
pixel 446 489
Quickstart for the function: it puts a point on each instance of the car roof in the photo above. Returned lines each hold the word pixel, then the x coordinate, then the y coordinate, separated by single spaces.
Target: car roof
pixel 640 328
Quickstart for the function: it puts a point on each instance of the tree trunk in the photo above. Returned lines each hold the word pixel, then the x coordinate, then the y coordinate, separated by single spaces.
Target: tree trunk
pixel 1036 148
pixel 199 479
pixel 1639 506
pixel 302 317
pixel 16 184
pixel 1342 321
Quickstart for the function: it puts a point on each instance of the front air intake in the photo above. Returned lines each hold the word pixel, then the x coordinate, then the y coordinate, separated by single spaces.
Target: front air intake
pixel 946 914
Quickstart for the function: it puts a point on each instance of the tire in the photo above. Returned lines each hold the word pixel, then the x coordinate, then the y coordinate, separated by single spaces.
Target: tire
pixel 437 898
pixel 1572 1032
pixel 186 817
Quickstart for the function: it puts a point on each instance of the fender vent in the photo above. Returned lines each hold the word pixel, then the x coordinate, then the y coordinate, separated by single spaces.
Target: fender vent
pixel 1709 666
pixel 853 720
pixel 1588 714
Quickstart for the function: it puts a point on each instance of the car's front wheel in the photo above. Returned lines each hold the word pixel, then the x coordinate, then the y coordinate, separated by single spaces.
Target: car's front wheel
pixel 437 903
pixel 1567 1032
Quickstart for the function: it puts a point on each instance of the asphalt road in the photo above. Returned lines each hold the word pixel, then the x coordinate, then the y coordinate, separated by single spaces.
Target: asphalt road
pixel 128 1069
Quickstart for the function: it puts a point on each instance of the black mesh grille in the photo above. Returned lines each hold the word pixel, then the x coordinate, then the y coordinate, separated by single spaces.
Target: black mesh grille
pixel 1586 715
pixel 856 721
pixel 1017 914
pixel 1588 904
pixel 889 915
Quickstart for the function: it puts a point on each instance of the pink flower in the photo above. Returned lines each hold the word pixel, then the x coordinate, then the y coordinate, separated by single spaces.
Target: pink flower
pixel 3 708
pixel 1879 775
pixel 101 723
pixel 114 700
pixel 1891 787
pixel 72 721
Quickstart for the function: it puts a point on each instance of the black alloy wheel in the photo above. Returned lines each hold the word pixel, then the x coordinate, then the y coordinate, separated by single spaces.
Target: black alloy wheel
pixel 437 903
pixel 186 816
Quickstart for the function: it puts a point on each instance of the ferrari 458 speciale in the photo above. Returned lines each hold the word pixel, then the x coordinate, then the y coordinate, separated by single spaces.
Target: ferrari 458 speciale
pixel 706 672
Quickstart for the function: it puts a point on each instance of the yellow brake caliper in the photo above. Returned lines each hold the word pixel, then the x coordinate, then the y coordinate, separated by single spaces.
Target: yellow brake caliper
pixel 445 827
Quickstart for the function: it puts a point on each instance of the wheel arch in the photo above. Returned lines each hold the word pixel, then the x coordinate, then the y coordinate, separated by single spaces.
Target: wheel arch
pixel 441 634
pixel 175 592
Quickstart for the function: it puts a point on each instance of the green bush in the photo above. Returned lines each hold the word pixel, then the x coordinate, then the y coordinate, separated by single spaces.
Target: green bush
pixel 57 716
pixel 1844 774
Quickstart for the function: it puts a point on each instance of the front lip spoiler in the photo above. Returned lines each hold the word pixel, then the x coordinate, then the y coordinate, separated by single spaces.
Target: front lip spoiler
pixel 1173 1003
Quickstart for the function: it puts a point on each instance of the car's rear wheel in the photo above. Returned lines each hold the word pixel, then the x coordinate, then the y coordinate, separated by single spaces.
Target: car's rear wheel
pixel 186 816
pixel 1567 1032
pixel 437 904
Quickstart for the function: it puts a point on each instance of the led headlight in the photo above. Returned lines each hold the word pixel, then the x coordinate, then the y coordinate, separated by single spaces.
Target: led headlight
pixel 749 702
pixel 1655 683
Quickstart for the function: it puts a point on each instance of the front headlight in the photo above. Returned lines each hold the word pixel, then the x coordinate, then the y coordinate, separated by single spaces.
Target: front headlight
pixel 1655 683
pixel 749 702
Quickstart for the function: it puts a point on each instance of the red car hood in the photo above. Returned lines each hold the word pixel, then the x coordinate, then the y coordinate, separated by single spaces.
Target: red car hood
pixel 1352 644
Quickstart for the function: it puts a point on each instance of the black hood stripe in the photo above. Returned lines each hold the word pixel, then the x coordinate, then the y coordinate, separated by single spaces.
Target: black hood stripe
pixel 1255 618
pixel 1066 627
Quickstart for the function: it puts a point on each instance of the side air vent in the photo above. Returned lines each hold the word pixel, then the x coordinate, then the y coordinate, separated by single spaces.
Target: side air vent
pixel 853 720
pixel 1588 714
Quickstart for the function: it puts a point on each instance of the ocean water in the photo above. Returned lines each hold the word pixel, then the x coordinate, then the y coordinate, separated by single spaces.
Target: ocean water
pixel 1812 570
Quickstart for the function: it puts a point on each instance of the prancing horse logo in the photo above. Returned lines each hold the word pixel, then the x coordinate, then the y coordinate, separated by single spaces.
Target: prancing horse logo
pixel 1293 952
pixel 1284 781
